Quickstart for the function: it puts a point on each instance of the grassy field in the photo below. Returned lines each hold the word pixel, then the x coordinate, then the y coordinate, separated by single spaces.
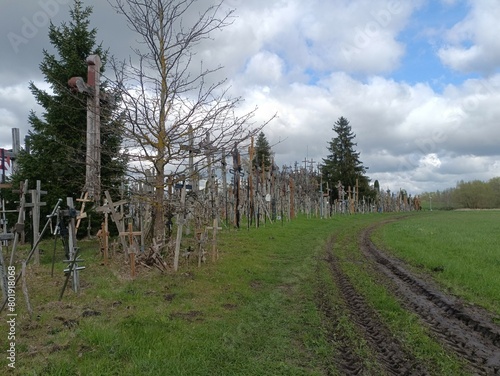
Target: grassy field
pixel 254 312
pixel 251 313
pixel 460 249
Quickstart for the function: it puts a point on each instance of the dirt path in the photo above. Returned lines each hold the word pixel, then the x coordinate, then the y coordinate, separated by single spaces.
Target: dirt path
pixel 393 359
pixel 468 332
pixel 465 330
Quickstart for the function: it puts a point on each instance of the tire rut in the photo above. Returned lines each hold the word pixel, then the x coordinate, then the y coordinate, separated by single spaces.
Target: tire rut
pixel 466 331
pixel 389 352
pixel 346 360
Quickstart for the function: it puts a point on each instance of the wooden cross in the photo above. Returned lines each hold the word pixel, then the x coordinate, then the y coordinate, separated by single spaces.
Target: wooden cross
pixel 215 228
pixel 93 152
pixel 35 214
pixel 110 208
pixel 131 249
pixel 84 199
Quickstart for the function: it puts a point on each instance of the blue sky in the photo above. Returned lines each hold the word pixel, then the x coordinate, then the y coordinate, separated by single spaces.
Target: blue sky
pixel 417 79
pixel 420 62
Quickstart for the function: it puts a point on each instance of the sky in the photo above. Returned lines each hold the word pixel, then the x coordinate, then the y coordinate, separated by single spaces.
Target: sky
pixel 419 80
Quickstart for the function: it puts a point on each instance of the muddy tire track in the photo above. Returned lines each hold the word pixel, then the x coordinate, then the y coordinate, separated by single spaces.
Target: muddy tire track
pixel 468 332
pixel 389 352
pixel 345 361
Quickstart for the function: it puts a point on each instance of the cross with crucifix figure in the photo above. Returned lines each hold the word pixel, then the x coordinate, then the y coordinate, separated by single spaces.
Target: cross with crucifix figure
pixel 93 155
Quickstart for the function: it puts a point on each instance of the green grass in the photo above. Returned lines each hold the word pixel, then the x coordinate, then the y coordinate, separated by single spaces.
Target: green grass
pixel 459 248
pixel 253 312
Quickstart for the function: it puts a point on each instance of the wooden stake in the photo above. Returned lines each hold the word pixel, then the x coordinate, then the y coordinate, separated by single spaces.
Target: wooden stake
pixel 20 220
pixel 215 228
pixel 25 289
pixel 180 224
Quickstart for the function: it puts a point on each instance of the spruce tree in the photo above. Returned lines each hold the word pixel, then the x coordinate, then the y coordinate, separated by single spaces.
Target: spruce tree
pixel 262 152
pixel 57 140
pixel 343 163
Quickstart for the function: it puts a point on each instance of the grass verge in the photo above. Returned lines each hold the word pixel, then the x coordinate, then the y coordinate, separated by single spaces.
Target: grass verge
pixel 251 313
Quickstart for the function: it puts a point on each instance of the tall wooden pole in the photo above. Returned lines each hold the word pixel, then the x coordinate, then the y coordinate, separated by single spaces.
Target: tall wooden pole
pixel 93 153
pixel 250 182
pixel 236 169
pixel 93 157
pixel 180 223
pixel 224 185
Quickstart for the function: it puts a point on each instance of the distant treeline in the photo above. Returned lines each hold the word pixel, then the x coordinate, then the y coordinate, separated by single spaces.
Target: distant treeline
pixel 470 195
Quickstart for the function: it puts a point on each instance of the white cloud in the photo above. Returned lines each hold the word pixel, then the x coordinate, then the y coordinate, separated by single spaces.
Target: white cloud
pixel 289 58
pixel 473 44
pixel 264 68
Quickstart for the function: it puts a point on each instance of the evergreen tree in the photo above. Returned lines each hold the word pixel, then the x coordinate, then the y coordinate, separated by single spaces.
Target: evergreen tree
pixel 343 163
pixel 262 152
pixel 57 141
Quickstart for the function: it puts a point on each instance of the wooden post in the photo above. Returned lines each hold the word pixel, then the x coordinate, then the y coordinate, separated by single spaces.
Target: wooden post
pixel 193 173
pixel 106 238
pixel 215 228
pixel 73 250
pixel 251 194
pixel 103 235
pixel 236 185
pixel 180 223
pixel 201 238
pixel 25 289
pixel 20 220
pixel 93 152
pixel 93 160
pixel 292 198
pixel 131 251
pixel 224 186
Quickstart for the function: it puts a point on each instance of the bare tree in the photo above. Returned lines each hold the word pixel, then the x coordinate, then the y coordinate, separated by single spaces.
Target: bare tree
pixel 166 101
